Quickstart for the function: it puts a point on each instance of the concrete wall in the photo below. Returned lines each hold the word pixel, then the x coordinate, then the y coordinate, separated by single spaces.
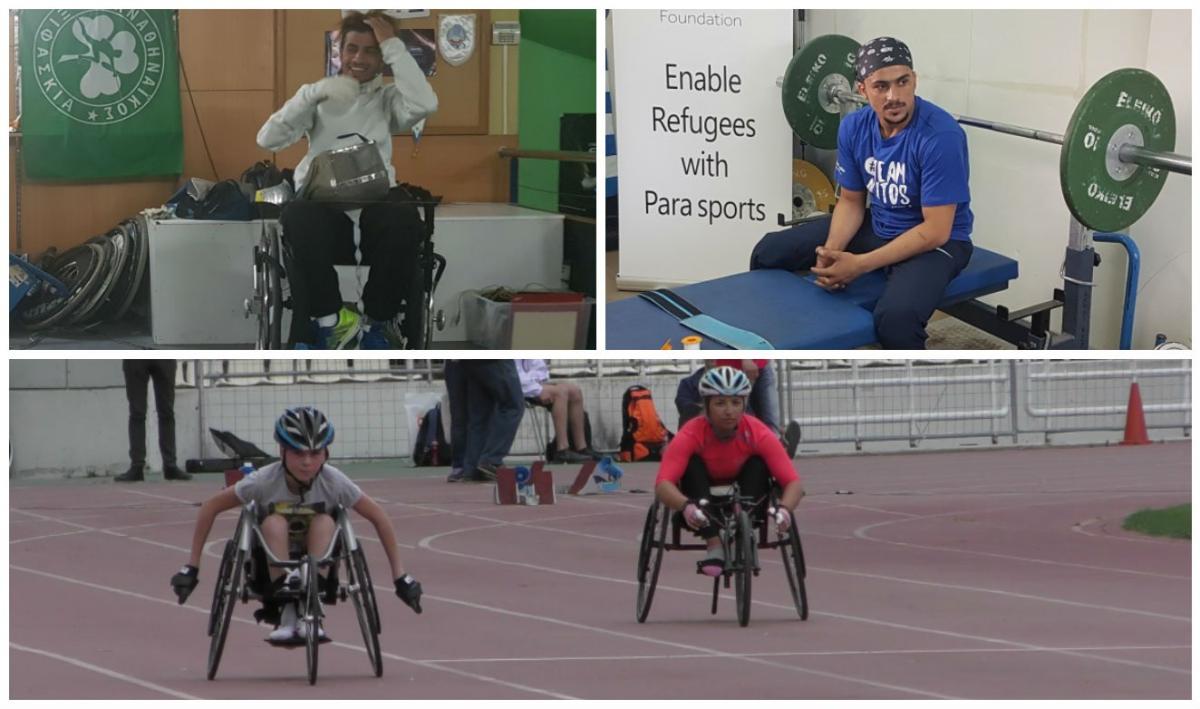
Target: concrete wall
pixel 1031 68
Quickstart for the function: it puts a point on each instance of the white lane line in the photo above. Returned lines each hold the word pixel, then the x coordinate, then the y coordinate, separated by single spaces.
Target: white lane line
pixel 861 533
pixel 106 529
pixel 427 544
pixel 104 671
pixel 814 653
pixel 85 528
pixel 1081 528
pixel 423 663
pixel 193 503
pixel 706 652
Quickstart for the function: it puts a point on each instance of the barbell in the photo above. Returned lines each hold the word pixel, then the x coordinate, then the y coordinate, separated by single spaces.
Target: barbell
pixel 1116 151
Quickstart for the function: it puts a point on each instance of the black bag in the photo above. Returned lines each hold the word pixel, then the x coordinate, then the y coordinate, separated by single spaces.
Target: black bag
pixel 225 201
pixel 431 447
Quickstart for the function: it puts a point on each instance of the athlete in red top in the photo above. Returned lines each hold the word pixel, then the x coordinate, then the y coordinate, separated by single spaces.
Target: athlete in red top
pixel 724 446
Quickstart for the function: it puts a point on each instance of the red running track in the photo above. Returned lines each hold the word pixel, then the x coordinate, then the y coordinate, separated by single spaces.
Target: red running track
pixel 982 574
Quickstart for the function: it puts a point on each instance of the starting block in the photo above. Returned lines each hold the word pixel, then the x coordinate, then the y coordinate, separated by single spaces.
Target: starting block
pixel 596 478
pixel 523 486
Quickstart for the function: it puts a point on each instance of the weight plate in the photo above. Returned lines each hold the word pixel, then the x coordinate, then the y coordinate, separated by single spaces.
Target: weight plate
pixel 814 119
pixel 811 190
pixel 1103 193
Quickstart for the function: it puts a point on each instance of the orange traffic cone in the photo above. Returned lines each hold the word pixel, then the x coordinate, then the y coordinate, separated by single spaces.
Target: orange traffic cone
pixel 1135 419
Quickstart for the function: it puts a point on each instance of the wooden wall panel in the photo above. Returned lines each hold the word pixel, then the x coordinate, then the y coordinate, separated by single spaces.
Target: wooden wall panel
pixel 460 168
pixel 226 50
pixel 231 120
pixel 64 216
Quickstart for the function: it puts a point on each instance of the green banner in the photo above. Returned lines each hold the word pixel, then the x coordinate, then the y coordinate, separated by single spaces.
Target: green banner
pixel 100 94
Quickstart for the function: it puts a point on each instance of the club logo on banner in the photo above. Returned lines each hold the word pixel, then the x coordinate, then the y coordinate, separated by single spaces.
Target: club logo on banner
pixel 100 93
pixel 456 38
pixel 99 67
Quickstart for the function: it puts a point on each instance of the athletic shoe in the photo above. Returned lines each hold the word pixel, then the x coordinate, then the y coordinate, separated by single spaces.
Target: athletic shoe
pixel 302 632
pixel 486 472
pixel 713 563
pixel 375 338
pixel 343 334
pixel 133 475
pixel 791 438
pixel 172 472
pixel 457 475
pixel 569 456
pixel 287 632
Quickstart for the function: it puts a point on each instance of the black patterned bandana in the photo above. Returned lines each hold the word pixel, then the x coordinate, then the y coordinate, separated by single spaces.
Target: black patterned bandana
pixel 879 53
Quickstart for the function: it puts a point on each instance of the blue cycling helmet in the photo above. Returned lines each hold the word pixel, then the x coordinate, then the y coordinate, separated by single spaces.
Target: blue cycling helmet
pixel 724 381
pixel 304 428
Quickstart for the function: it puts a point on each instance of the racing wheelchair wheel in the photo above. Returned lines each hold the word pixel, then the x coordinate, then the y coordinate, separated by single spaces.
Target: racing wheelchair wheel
pixel 311 612
pixel 654 537
pixel 793 566
pixel 743 565
pixel 225 594
pixel 358 579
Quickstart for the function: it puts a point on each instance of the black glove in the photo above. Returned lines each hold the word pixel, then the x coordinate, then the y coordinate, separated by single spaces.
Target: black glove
pixel 184 582
pixel 409 591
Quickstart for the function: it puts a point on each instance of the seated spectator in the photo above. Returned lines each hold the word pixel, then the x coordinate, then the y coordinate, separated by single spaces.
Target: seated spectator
pixel 565 401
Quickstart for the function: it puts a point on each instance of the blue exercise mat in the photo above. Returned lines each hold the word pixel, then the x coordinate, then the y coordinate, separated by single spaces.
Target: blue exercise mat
pixel 789 310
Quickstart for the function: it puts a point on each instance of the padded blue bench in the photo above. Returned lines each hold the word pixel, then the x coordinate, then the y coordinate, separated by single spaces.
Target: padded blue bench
pixel 789 310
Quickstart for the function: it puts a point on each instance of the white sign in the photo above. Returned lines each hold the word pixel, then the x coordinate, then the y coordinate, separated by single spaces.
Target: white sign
pixel 706 151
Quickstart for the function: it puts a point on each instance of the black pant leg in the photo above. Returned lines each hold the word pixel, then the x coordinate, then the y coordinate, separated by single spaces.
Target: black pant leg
pixel 317 236
pixel 392 236
pixel 162 371
pixel 137 376
pixel 754 481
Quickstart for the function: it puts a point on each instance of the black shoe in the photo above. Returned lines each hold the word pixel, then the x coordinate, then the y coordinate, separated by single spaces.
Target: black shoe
pixel 133 475
pixel 791 438
pixel 569 456
pixel 172 472
pixel 486 472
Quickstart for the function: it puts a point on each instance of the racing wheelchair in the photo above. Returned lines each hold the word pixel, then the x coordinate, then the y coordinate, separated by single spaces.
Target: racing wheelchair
pixel 742 531
pixel 413 327
pixel 243 576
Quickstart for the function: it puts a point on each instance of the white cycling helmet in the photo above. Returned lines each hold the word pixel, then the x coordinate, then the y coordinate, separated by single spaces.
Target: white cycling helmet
pixel 724 381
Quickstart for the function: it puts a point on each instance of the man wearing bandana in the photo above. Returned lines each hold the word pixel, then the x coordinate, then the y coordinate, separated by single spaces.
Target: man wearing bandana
pixel 907 160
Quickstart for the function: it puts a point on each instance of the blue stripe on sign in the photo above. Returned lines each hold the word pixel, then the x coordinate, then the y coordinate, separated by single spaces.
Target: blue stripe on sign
pixel 610 144
pixel 608 102
pixel 610 186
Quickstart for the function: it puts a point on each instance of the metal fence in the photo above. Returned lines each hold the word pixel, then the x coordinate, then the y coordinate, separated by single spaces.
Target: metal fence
pixel 375 403
pixel 915 402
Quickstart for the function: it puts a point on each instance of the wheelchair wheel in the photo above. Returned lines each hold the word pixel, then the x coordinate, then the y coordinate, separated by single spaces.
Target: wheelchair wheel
pixel 312 616
pixel 743 560
pixel 363 596
pixel 654 537
pixel 793 566
pixel 266 302
pixel 229 583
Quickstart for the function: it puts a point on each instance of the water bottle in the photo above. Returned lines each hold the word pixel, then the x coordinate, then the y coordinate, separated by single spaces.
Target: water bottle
pixel 247 468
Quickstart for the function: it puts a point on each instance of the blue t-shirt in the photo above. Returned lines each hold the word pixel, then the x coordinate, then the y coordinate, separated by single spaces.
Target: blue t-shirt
pixel 926 164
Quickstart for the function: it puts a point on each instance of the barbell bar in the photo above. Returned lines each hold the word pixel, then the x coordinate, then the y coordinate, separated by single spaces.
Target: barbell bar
pixel 1124 123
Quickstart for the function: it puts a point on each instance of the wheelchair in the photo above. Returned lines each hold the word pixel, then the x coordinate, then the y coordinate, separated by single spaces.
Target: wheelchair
pixel 271 292
pixel 243 576
pixel 742 535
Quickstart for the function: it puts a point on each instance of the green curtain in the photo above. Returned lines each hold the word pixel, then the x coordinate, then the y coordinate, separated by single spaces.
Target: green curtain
pixel 100 94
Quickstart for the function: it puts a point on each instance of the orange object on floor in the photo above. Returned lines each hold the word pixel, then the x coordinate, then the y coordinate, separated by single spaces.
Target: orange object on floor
pixel 1135 419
